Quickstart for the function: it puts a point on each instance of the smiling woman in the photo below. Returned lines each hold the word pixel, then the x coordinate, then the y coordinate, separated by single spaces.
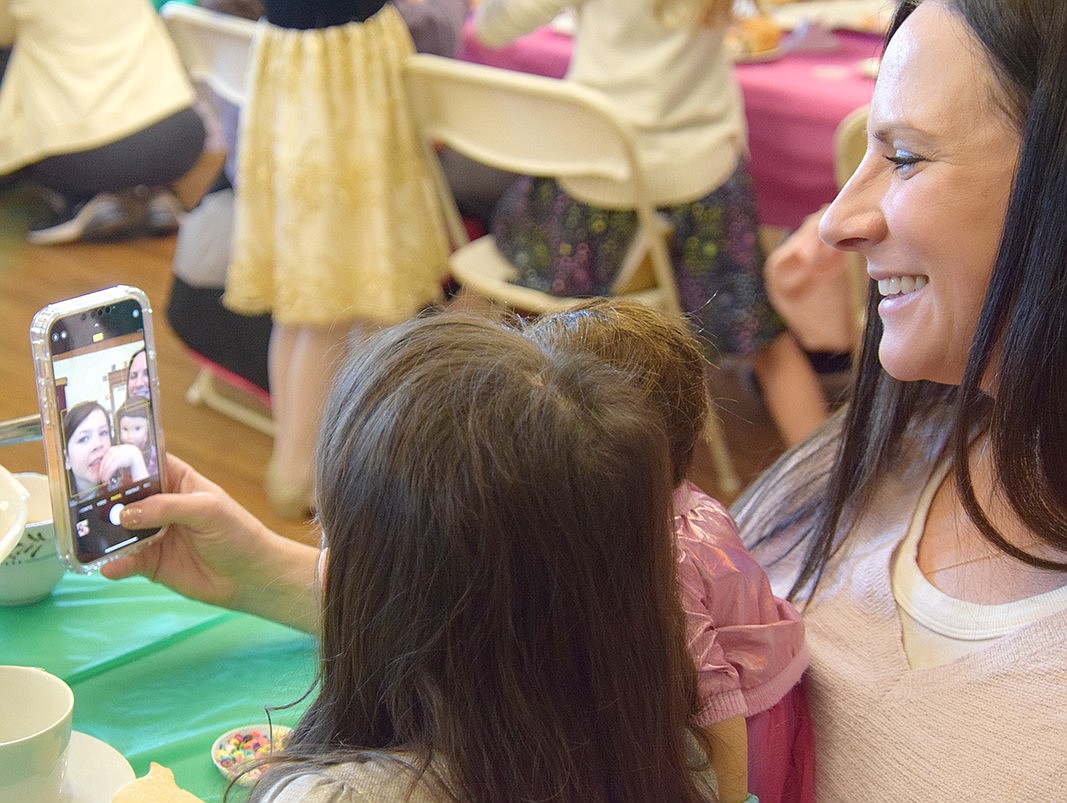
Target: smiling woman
pixel 925 529
pixel 929 172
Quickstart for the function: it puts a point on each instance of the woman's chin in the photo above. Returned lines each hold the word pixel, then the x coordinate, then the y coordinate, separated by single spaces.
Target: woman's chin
pixel 906 365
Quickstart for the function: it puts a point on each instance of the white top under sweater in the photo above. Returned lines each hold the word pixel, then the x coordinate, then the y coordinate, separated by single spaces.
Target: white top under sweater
pixel 937 628
pixel 989 726
pixel 83 75
pixel 675 84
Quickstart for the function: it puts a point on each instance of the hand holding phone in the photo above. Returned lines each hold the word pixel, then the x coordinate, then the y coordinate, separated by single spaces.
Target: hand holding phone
pixel 97 388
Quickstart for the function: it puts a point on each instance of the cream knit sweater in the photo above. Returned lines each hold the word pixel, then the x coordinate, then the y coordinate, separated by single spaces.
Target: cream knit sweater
pixel 675 84
pixel 991 726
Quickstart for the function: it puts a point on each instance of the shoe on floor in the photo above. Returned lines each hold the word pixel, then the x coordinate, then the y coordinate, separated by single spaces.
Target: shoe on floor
pixel 165 212
pixel 101 217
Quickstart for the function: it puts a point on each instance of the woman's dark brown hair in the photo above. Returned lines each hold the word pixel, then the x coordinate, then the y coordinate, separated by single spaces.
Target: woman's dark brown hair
pixel 1020 341
pixel 500 609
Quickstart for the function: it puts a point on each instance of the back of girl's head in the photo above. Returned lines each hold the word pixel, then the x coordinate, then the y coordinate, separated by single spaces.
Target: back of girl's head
pixel 500 587
pixel 663 357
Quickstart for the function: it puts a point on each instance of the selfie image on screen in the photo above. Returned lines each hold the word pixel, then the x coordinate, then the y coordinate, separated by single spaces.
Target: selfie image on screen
pixel 105 407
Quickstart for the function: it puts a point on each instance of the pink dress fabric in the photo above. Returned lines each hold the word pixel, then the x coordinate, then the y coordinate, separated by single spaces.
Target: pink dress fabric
pixel 748 647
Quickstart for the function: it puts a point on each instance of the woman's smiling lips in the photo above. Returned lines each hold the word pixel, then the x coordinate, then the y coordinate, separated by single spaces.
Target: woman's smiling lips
pixel 901 285
pixel 898 292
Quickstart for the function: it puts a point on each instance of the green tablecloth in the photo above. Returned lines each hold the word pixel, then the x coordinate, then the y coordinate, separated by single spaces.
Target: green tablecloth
pixel 158 676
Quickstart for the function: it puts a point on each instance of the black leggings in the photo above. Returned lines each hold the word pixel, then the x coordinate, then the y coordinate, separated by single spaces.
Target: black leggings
pixel 154 157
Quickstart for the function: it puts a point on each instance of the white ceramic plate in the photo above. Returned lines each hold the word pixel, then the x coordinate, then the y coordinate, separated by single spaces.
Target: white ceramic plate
pixel 95 770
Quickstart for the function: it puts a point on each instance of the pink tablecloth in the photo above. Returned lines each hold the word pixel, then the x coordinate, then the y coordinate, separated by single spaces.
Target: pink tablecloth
pixel 793 105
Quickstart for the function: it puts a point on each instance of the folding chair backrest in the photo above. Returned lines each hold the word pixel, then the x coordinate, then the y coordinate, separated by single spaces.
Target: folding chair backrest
pixel 214 47
pixel 523 123
pixel 850 145
pixel 538 126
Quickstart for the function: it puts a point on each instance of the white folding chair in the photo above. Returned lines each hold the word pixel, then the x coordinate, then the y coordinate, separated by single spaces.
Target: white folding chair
pixel 539 126
pixel 850 145
pixel 215 49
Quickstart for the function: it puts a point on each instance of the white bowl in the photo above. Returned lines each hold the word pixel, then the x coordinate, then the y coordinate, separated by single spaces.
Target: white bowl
pixel 242 744
pixel 14 508
pixel 33 568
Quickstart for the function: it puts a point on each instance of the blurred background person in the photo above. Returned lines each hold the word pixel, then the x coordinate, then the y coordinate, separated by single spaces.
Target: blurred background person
pixel 96 109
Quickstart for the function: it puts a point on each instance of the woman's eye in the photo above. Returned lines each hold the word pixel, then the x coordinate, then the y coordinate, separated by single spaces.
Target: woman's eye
pixel 904 160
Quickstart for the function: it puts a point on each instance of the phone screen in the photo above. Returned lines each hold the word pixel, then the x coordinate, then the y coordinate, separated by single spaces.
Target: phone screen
pixel 109 436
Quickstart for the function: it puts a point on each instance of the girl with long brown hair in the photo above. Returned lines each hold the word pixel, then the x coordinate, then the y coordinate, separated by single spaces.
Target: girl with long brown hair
pixel 499 616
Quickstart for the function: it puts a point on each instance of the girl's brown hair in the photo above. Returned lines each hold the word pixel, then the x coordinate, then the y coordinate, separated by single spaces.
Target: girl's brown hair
pixel 500 609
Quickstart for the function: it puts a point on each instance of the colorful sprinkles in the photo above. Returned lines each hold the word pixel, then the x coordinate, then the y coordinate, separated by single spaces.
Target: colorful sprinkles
pixel 243 744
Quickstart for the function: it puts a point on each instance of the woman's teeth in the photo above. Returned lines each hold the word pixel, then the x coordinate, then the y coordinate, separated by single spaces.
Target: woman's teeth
pixel 901 285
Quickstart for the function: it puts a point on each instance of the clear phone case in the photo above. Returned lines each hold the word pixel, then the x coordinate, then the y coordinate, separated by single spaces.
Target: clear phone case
pixel 82 348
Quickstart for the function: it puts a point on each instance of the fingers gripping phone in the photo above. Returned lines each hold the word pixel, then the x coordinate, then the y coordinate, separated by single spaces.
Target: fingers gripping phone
pixel 95 363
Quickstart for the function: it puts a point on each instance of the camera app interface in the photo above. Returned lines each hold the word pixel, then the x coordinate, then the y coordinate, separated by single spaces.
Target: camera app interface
pixel 105 409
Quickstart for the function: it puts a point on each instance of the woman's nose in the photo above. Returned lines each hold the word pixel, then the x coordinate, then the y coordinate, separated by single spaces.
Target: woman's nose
pixel 854 221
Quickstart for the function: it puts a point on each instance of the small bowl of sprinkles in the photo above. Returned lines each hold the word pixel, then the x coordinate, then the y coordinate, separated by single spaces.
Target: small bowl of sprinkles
pixel 233 748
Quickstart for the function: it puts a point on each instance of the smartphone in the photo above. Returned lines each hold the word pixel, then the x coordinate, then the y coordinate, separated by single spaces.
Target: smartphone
pixel 98 391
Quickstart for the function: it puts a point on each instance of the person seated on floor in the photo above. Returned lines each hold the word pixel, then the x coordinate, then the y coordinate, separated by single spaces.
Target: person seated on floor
pixel 96 108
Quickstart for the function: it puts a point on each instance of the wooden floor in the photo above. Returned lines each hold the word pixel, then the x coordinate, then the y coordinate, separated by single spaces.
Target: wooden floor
pixel 227 452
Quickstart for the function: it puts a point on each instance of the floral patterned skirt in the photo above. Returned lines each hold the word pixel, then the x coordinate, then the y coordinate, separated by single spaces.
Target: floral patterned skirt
pixel 568 248
pixel 336 218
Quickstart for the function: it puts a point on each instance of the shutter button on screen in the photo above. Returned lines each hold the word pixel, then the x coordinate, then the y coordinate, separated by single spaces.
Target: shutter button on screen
pixel 115 513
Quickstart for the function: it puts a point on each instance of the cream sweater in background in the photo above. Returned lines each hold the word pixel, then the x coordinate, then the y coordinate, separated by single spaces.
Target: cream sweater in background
pixel 82 75
pixel 675 84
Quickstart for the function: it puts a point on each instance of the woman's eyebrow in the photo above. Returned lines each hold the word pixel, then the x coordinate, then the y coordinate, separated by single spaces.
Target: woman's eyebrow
pixel 886 132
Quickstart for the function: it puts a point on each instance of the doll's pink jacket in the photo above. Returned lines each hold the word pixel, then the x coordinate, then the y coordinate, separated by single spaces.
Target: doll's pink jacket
pixel 747 644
